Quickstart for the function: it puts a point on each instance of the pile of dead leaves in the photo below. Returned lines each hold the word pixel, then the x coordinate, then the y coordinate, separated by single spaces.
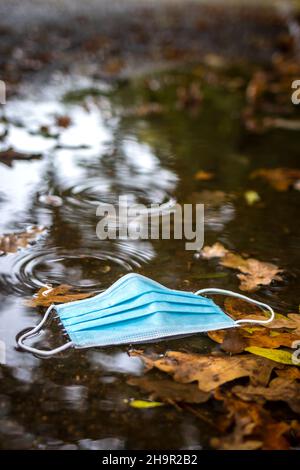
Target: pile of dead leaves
pixel 239 379
pixel 253 273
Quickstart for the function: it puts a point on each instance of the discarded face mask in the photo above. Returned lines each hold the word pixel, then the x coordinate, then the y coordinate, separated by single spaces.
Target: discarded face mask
pixel 136 309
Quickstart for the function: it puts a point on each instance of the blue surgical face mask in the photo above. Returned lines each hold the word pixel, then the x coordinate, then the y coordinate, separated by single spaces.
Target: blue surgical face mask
pixel 136 309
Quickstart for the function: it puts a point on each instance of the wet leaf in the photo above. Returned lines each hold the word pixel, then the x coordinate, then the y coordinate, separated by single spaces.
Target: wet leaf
pixel 280 389
pixel 291 373
pixel 169 391
pixel 254 273
pixel 8 156
pixel 238 340
pixel 283 357
pixel 142 404
pixel 210 371
pixel 12 242
pixel 61 294
pixel 251 197
pixel 215 251
pixel 239 310
pixel 252 425
pixel 105 269
pixel 291 321
pixel 280 179
pixel 202 175
pixel 232 340
pixel 63 121
pixel 256 87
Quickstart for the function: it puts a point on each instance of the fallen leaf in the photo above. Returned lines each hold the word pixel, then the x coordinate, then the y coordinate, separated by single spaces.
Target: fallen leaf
pixel 238 309
pixel 274 438
pixel 169 391
pixel 237 340
pixel 12 242
pixel 252 425
pixel 256 87
pixel 210 371
pixel 105 269
pixel 290 373
pixel 254 273
pixel 232 340
pixel 251 197
pixel 283 357
pixel 280 389
pixel 63 121
pixel 280 179
pixel 8 156
pixel 291 322
pixel 215 251
pixel 143 404
pixel 61 294
pixel 202 175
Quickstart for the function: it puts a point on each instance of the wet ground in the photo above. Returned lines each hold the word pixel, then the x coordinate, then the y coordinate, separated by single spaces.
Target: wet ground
pixel 144 135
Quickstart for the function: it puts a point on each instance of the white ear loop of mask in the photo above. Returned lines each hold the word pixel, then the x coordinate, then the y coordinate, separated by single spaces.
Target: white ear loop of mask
pixel 243 297
pixel 34 331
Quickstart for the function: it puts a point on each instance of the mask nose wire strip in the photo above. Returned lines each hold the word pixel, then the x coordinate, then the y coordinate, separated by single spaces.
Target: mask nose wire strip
pixel 243 297
pixel 34 331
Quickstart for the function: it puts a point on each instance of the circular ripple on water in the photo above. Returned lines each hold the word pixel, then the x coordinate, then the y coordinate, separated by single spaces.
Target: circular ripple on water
pixel 92 191
pixel 89 270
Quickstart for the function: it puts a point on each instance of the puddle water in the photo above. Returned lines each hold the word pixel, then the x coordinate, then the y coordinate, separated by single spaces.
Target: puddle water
pixel 111 147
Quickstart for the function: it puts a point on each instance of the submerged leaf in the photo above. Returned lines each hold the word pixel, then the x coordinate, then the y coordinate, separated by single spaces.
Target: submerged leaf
pixel 12 242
